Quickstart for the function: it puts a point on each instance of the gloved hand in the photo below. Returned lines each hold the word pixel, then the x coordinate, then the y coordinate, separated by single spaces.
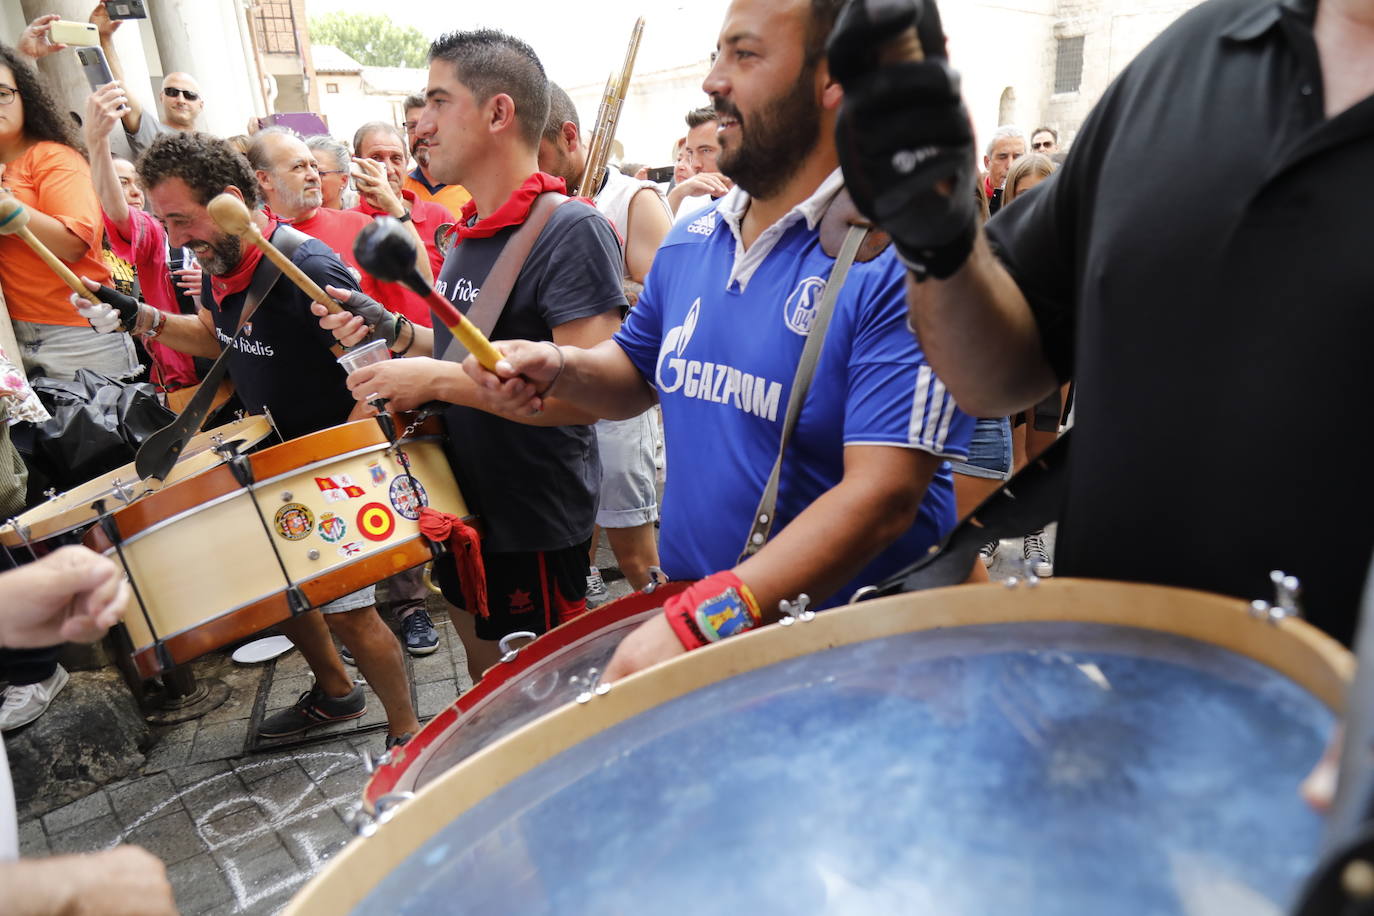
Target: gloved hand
pixel 116 312
pixel 382 323
pixel 904 136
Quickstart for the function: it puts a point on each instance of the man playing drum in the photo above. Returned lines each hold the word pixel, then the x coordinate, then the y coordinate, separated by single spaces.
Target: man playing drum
pixel 281 364
pixel 716 337
pixel 533 486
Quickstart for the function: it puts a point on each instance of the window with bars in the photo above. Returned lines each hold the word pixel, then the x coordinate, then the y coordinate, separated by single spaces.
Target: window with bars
pixel 1068 64
pixel 275 25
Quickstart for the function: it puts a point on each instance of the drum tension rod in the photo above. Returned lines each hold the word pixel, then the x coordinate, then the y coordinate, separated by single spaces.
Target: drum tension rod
pixel 242 469
pixel 111 529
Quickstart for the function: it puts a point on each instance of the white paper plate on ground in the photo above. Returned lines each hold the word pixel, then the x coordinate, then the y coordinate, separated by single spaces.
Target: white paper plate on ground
pixel 262 650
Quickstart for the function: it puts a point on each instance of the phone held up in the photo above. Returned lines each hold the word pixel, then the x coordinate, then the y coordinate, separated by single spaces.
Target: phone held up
pixel 79 34
pixel 126 9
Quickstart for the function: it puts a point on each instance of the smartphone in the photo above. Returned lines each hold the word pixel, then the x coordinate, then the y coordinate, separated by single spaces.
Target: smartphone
pixel 94 65
pixel 81 34
pixel 660 175
pixel 126 9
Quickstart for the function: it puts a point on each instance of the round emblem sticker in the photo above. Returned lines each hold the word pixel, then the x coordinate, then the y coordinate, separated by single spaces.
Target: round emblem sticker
pixel 293 521
pixel 375 522
pixel 408 501
pixel 332 528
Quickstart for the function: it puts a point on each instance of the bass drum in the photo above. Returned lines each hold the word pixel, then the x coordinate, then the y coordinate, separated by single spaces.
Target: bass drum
pixel 1077 747
pixel 528 682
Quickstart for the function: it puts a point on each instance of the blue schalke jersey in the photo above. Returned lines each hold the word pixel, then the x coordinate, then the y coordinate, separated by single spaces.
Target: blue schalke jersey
pixel 722 359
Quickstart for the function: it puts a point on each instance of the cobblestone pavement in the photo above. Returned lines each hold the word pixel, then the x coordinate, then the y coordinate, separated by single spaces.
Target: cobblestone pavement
pixel 241 832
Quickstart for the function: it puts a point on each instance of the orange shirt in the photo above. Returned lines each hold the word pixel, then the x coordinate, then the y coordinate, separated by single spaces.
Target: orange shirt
pixel 451 196
pixel 53 179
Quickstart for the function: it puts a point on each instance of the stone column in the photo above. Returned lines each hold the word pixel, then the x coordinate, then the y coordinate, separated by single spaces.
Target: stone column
pixel 203 38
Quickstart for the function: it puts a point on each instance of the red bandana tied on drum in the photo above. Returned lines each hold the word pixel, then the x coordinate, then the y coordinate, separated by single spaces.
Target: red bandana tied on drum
pixel 465 549
pixel 237 280
pixel 511 213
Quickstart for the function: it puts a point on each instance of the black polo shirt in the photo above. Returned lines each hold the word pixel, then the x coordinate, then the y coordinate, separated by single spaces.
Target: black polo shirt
pixel 1202 267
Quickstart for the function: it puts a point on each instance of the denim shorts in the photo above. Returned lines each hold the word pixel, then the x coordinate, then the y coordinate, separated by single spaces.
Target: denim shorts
pixel 57 351
pixel 360 599
pixel 989 451
pixel 628 495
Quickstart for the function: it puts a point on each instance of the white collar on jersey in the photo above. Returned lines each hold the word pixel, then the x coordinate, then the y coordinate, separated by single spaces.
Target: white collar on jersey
pixel 732 208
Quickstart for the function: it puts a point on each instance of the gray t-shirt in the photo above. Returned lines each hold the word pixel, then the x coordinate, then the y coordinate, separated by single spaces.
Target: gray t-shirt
pixel 536 488
pixel 149 128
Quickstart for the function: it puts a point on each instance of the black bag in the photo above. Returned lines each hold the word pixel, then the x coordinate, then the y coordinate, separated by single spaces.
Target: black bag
pixel 97 425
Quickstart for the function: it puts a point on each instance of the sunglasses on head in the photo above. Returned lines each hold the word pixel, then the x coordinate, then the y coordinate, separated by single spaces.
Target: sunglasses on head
pixel 172 92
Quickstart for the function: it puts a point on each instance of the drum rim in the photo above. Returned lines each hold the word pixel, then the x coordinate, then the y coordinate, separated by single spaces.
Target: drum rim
pixel 200 457
pixel 1288 646
pixel 389 777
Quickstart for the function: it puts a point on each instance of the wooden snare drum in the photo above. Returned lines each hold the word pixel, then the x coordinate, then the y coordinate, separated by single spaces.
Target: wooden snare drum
pixel 527 683
pixel 59 520
pixel 1077 747
pixel 213 560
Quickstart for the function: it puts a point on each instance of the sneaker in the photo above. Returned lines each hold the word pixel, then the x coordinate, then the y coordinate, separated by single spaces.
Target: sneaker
pixel 596 589
pixel 397 740
pixel 312 709
pixel 346 655
pixel 418 633
pixel 988 552
pixel 1033 549
pixel 26 702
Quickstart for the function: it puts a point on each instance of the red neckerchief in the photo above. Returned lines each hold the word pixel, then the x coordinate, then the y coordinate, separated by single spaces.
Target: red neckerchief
pixel 237 280
pixel 510 213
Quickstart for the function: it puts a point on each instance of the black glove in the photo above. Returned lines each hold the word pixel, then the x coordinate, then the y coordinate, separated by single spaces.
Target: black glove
pixel 904 137
pixel 125 306
pixel 382 323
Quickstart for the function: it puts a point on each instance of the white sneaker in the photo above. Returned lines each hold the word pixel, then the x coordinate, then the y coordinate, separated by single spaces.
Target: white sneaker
pixel 26 702
pixel 1033 549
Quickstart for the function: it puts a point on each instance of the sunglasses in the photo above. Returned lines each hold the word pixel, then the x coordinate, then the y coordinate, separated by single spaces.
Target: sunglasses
pixel 1044 144
pixel 172 92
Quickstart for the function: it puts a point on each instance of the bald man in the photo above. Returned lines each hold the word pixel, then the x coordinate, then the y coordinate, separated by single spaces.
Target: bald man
pixel 181 97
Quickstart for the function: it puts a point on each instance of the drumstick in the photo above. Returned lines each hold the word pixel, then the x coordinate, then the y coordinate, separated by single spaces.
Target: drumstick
pixel 14 220
pixel 231 215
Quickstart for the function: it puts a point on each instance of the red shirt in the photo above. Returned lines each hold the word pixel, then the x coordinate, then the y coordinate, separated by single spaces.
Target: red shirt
pixel 146 249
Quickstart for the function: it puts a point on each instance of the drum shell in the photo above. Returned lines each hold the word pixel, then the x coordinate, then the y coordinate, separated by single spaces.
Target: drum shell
pixel 204 566
pixel 539 678
pixel 1292 649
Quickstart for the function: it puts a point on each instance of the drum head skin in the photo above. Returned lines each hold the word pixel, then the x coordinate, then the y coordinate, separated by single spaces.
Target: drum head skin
pixel 1033 768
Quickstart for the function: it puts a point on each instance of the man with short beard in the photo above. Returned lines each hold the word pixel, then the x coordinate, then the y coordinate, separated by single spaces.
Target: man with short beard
pixel 282 364
pixel 421 181
pixel 716 338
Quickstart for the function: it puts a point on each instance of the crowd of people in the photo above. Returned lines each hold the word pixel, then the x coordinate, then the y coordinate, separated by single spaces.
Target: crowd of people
pixel 1148 277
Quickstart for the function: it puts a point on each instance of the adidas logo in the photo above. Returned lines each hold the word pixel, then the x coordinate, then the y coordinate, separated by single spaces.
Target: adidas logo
pixel 703 225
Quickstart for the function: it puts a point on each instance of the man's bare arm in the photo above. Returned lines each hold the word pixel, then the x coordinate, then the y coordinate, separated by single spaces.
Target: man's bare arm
pixel 647 224
pixel 979 335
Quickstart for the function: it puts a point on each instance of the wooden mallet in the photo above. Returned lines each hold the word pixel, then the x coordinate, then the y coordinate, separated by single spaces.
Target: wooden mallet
pixel 232 216
pixel 14 220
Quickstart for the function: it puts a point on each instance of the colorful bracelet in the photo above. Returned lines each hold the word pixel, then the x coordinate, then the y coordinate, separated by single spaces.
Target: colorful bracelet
pixel 685 628
pixel 726 614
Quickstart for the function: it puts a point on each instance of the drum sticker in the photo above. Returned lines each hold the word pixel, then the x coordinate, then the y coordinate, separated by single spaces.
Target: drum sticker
pixel 351 549
pixel 378 473
pixel 293 521
pixel 407 501
pixel 375 522
pixel 332 528
pixel 338 488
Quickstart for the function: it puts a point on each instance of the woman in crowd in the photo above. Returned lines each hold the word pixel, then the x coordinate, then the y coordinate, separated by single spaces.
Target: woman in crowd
pixel 43 166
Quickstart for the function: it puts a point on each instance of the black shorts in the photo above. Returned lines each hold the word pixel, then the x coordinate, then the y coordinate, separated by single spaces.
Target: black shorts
pixel 533 591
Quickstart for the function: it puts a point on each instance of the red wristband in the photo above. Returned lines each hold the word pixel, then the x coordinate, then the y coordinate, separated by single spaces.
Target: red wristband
pixel 718 606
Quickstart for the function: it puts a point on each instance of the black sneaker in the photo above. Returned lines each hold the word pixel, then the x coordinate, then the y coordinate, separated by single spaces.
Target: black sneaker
pixel 312 709
pixel 418 633
pixel 346 655
pixel 397 740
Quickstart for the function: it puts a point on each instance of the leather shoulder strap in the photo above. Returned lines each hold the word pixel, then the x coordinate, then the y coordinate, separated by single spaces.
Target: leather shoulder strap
pixel 496 288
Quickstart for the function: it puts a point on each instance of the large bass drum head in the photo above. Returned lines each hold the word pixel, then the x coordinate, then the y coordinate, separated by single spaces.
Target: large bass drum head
pixel 1031 767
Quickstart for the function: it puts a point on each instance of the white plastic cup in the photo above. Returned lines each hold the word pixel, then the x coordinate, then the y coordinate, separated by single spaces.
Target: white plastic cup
pixel 366 355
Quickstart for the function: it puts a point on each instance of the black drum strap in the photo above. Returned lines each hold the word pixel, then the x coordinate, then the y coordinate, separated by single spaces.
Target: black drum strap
pixel 1030 500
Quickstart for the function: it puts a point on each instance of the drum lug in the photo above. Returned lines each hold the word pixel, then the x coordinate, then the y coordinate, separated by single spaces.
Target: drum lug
pixel 509 652
pixel 122 491
pixel 1287 589
pixel 863 594
pixel 798 611
pixel 591 685
pixel 364 823
pixel 656 578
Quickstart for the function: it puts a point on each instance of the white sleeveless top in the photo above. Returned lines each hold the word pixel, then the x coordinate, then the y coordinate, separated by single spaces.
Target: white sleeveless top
pixel 614 203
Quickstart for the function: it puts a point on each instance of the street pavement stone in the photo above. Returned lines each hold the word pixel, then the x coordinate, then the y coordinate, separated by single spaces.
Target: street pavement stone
pixel 78 812
pixel 167 837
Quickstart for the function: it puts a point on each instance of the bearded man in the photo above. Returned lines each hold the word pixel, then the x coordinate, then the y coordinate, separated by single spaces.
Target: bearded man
pixel 716 337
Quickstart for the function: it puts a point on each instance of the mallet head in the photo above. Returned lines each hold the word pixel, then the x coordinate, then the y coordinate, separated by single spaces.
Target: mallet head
pixel 231 215
pixel 386 250
pixel 13 216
